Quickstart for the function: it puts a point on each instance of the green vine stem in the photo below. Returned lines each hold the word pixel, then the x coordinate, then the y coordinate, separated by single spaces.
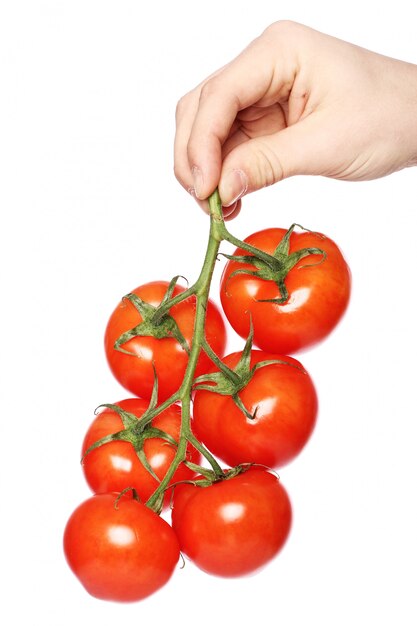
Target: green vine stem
pixel 200 290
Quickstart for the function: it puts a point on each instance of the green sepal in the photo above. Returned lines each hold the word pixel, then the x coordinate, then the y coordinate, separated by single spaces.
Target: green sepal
pixel 136 430
pixel 170 290
pixel 210 477
pixel 128 419
pixel 275 267
pixel 121 435
pixel 203 482
pixel 156 321
pixel 150 433
pixel 204 471
pixel 238 402
pixel 222 384
pixel 144 460
pixel 230 382
pixel 135 496
pixel 136 437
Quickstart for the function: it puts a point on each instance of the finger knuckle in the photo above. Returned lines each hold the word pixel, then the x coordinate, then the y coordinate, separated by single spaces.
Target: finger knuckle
pixel 181 107
pixel 208 89
pixel 287 29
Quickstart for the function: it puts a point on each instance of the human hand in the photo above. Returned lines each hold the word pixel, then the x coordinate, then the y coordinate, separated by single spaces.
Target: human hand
pixel 296 101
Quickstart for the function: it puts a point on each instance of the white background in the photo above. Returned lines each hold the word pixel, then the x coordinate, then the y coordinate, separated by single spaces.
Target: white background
pixel 90 209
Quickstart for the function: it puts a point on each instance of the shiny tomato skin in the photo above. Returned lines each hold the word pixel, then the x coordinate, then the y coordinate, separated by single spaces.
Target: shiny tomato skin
pixel 285 401
pixel 233 527
pixel 122 554
pixel 319 293
pixel 115 466
pixel 135 371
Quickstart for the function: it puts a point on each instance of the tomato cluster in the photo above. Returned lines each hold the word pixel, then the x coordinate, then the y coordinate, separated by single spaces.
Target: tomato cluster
pixel 254 410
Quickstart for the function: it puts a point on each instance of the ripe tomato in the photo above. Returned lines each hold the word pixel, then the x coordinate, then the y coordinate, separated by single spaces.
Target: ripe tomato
pixel 122 554
pixel 114 466
pixel 235 526
pixel 282 399
pixel 135 371
pixel 318 288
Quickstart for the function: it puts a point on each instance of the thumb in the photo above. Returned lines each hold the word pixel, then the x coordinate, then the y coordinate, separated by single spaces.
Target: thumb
pixel 263 161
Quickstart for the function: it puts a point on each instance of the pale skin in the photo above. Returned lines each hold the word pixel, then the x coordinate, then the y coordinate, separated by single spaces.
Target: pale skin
pixel 295 101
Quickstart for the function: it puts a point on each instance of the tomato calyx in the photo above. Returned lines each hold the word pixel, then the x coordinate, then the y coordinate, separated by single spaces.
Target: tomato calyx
pixel 135 431
pixel 156 321
pixel 209 477
pixel 274 267
pixel 135 496
pixel 229 382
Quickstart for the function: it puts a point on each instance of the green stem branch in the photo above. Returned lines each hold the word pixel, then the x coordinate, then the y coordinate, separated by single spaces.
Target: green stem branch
pixel 260 254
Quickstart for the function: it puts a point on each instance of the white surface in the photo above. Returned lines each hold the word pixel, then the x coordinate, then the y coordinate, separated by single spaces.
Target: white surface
pixel 90 209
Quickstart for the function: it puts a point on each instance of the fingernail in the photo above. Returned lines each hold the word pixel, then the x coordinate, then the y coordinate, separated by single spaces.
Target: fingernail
pixel 203 204
pixel 233 186
pixel 229 210
pixel 198 182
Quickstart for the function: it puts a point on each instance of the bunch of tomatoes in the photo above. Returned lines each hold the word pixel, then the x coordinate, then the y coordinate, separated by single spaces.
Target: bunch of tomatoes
pixel 201 431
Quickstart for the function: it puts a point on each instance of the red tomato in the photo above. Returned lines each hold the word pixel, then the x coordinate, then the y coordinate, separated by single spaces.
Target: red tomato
pixel 135 371
pixel 122 554
pixel 114 466
pixel 284 402
pixel 234 526
pixel 318 294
